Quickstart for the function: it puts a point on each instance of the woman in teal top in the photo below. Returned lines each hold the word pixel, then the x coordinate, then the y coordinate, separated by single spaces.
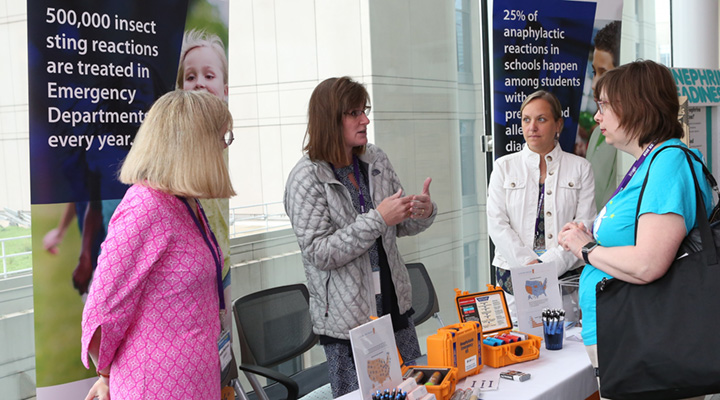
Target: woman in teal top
pixel 637 112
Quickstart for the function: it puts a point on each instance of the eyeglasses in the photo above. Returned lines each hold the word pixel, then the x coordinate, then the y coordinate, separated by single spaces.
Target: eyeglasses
pixel 357 113
pixel 229 138
pixel 601 105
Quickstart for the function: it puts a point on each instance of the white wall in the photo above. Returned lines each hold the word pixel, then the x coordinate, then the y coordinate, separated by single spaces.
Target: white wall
pixel 14 143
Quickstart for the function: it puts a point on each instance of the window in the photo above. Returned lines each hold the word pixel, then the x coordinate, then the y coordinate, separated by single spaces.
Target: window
pixel 471 267
pixel 464 43
pixel 467 162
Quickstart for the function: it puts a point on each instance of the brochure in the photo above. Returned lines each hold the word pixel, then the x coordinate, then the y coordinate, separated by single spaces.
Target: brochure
pixel 376 357
pixel 536 287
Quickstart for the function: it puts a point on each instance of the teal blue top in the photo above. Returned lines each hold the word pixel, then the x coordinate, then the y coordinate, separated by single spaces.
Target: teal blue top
pixel 670 189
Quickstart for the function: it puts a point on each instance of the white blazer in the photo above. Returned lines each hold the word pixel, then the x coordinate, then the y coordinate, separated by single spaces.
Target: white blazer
pixel 513 200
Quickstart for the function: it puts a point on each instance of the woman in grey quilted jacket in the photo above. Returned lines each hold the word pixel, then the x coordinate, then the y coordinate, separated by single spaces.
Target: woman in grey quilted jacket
pixel 347 208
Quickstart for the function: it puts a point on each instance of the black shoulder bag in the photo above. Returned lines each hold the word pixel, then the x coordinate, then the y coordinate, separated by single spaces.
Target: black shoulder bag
pixel 662 340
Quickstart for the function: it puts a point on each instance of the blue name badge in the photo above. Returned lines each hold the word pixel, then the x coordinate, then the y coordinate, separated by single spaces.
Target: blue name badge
pixel 224 348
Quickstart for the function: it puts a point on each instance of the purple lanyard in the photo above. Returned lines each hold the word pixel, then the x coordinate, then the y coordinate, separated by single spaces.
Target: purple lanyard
pixel 634 168
pixel 539 209
pixel 356 171
pixel 629 175
pixel 216 252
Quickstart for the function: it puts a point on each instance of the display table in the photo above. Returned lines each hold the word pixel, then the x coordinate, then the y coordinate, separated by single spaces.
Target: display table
pixel 556 375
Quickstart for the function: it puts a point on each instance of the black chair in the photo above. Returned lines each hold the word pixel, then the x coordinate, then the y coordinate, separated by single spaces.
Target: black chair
pixel 424 299
pixel 274 327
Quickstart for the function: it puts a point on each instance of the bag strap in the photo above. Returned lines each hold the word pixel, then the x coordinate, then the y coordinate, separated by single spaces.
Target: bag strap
pixel 700 213
pixel 715 213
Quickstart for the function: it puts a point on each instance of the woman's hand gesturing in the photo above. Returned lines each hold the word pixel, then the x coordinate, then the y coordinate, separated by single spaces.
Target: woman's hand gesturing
pixel 395 209
pixel 422 206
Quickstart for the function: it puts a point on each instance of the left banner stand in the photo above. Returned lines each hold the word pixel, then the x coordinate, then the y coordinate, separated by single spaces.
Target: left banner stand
pixel 95 68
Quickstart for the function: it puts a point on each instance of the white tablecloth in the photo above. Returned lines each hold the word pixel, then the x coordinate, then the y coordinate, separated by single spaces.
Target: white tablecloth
pixel 556 375
pixel 564 374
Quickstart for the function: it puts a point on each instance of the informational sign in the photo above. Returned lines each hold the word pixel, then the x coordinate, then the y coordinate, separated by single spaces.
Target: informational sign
pixel 538 45
pixel 701 86
pixel 702 89
pixel 95 68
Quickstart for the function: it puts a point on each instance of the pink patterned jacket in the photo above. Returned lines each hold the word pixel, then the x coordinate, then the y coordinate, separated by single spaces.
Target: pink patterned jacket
pixel 154 294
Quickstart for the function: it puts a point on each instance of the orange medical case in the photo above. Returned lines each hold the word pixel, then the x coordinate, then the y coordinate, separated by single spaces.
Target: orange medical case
pixel 490 308
pixel 459 346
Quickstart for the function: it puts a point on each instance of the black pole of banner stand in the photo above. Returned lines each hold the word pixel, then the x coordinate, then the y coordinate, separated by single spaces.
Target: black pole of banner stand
pixel 487 117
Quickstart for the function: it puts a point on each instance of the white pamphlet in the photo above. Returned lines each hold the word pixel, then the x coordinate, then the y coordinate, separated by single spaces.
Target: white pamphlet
pixel 536 287
pixel 376 357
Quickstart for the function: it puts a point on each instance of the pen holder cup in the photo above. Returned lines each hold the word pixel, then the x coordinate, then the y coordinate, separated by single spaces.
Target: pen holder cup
pixel 554 335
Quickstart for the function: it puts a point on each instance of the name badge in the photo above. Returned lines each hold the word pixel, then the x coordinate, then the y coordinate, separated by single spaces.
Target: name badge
pixel 376 281
pixel 225 349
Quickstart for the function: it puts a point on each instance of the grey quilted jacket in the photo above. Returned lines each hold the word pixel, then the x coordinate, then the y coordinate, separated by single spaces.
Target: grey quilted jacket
pixel 335 239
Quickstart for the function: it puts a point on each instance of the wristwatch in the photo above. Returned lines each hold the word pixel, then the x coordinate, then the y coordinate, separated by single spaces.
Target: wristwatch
pixel 590 246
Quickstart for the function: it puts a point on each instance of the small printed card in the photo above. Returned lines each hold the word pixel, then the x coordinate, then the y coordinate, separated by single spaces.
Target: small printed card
pixel 486 381
pixel 515 375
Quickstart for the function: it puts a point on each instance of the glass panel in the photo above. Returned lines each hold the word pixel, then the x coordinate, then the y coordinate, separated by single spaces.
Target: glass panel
pixel 467 163
pixel 471 267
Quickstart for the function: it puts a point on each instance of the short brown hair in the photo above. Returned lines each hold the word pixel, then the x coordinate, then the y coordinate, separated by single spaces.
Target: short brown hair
pixel 179 147
pixel 330 100
pixel 643 95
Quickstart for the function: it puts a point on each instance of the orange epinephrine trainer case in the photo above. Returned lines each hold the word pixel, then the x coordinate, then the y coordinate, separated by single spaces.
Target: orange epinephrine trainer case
pixel 457 345
pixel 491 310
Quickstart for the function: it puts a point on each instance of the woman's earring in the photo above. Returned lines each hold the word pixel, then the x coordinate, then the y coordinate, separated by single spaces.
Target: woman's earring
pixel 557 135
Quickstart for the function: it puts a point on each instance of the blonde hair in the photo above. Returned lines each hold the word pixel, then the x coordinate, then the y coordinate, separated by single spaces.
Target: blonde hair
pixel 198 38
pixel 179 147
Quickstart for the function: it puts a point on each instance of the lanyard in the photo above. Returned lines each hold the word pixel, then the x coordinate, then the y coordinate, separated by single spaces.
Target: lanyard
pixel 629 176
pixel 634 168
pixel 539 209
pixel 216 253
pixel 356 171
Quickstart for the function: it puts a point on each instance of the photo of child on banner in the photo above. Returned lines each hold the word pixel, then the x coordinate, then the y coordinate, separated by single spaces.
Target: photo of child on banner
pixel 602 156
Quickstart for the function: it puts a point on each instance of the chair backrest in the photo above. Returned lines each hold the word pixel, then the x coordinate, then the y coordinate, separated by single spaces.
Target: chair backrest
pixel 424 299
pixel 274 325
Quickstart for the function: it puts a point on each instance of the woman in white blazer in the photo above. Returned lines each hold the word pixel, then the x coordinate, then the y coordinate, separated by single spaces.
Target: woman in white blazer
pixel 533 193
